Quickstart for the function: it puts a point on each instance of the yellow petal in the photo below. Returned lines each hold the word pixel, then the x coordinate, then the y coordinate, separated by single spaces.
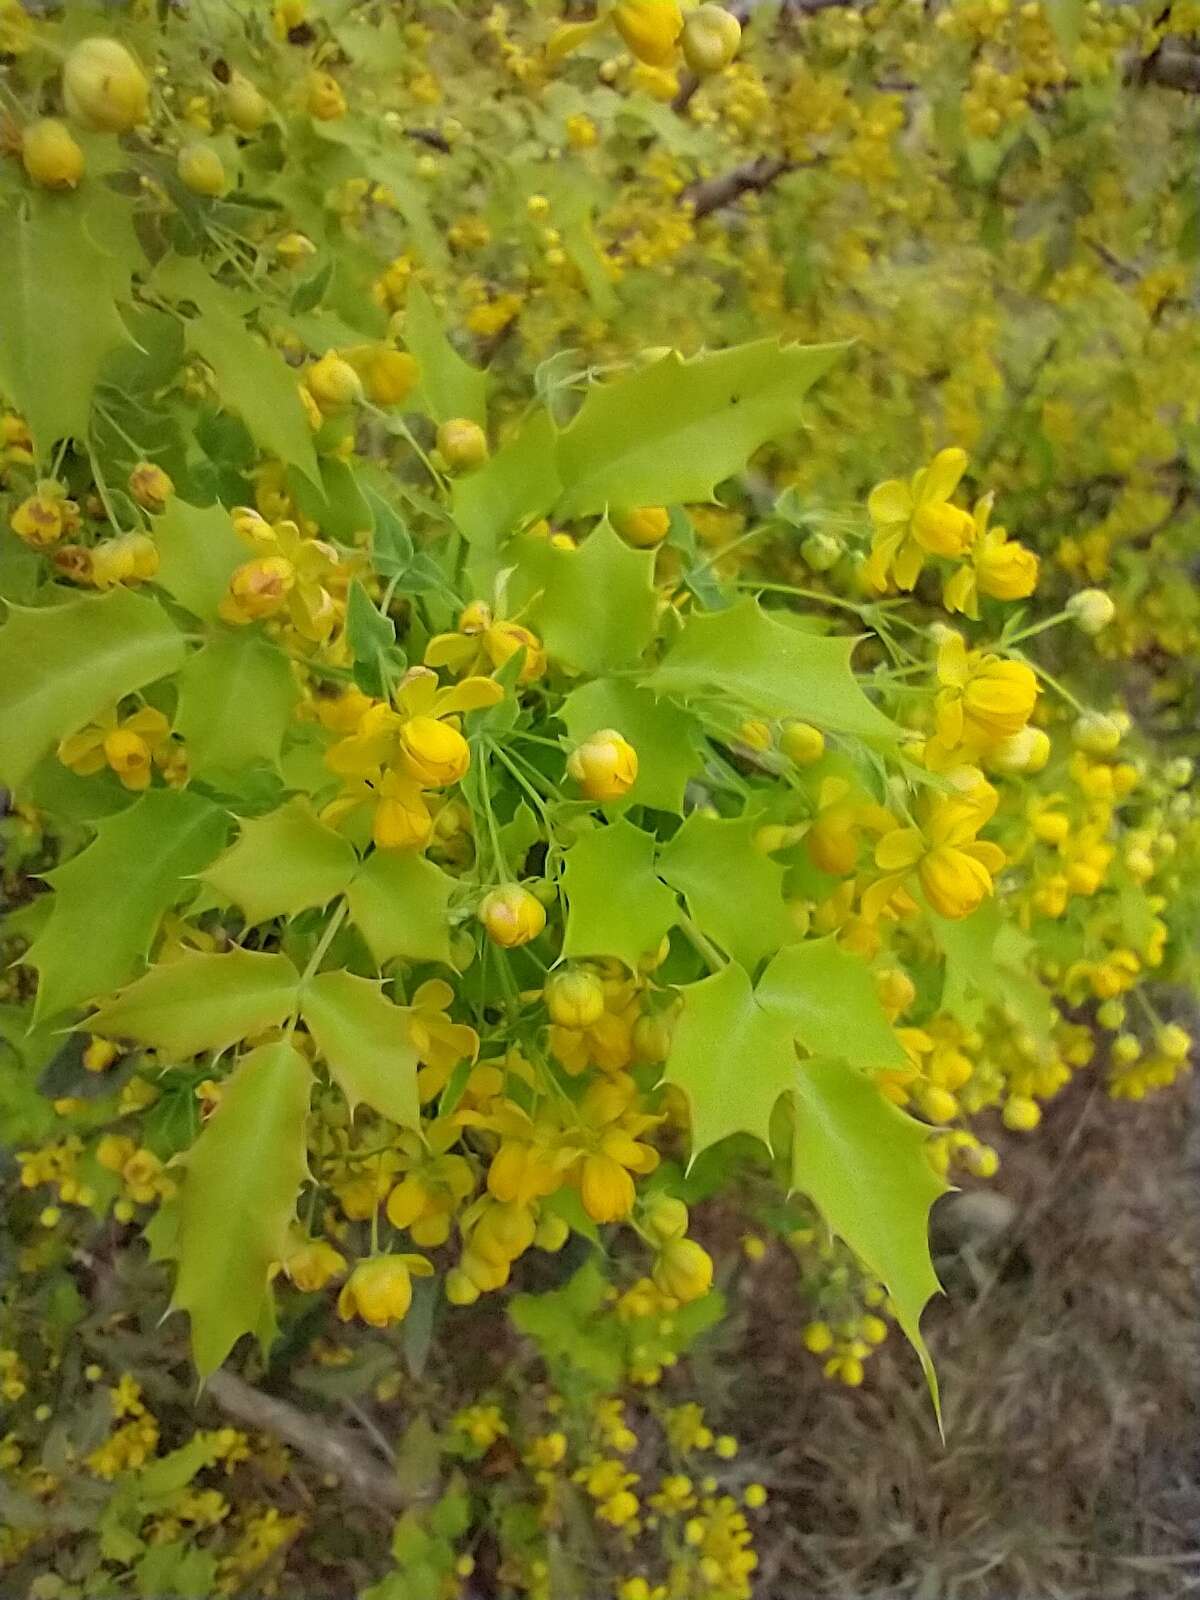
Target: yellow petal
pixel 890 502
pixel 472 694
pixel 942 478
pixel 899 849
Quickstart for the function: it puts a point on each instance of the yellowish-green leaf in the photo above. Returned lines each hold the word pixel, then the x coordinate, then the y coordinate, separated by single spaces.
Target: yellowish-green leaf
pixel 198 550
pixel 134 869
pixel 744 655
pixel 283 863
pixel 202 1002
pixel 365 1040
pixel 450 386
pixel 237 1199
pixel 60 666
pixel 734 892
pixel 863 1163
pixel 598 605
pixel 670 432
pixel 235 702
pixel 663 734
pixel 616 904
pixel 399 903
pixel 518 484
pixel 831 998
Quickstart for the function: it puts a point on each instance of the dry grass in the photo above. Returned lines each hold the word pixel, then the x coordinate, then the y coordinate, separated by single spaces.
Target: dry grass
pixel 1069 1370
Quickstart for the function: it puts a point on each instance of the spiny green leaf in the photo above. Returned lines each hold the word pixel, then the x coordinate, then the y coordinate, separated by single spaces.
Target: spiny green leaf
pixel 365 1040
pixel 670 432
pixel 829 994
pixel 237 1199
pixel 135 869
pixel 62 665
pixel 518 484
pixel 60 320
pixel 732 1057
pixel 616 905
pixel 662 733
pixel 202 1002
pixel 863 1164
pixel 399 903
pixel 742 654
pixel 733 890
pixel 236 669
pixel 598 606
pixel 198 550
pixel 450 386
pixel 283 863
pixel 987 965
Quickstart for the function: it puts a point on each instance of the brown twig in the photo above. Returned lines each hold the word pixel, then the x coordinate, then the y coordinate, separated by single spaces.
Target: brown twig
pixel 750 177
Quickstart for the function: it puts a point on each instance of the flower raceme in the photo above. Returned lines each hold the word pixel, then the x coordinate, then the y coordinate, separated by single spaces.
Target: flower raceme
pixel 915 520
pixel 953 867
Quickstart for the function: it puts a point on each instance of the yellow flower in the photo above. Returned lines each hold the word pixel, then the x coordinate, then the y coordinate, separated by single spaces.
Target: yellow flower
pixel 313 1264
pixel 605 765
pixel 104 87
pixel 325 100
pixel 998 567
pixel 683 1270
pixel 650 28
pixel 50 154
pixel 333 383
pixel 512 916
pixel 644 526
pixel 379 1290
pixel 433 752
pixel 462 444
pixel 401 820
pixel 913 520
pixel 983 698
pixel 201 169
pixel 440 1044
pixel 574 997
pixel 711 36
pixel 482 641
pixel 833 839
pixel 45 516
pixel 150 486
pixel 954 869
pixel 131 747
pixel 258 589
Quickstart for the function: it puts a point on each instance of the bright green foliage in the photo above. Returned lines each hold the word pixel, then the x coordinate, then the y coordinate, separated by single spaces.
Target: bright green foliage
pixel 834 1005
pixel 197 551
pixel 862 1162
pixel 234 670
pixel 399 904
pixel 364 1038
pixel 136 867
pixel 662 733
pixel 597 609
pixel 241 1179
pixel 732 889
pixel 518 484
pixel 768 667
pixel 732 1056
pixel 283 863
pixel 63 665
pixel 52 263
pixel 450 386
pixel 602 922
pixel 674 430
pixel 987 964
pixel 202 1002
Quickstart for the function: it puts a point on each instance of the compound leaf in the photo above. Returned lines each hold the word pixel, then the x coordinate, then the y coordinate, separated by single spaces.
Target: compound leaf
pixel 365 1040
pixel 603 920
pixel 399 902
pixel 829 994
pixel 598 608
pixel 202 1001
pixel 235 702
pixel 283 863
pixel 733 890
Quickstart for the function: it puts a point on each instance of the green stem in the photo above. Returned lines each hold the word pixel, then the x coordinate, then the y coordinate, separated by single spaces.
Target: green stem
pixel 1054 684
pixel 1038 627
pixel 713 959
pixel 326 939
pixel 526 786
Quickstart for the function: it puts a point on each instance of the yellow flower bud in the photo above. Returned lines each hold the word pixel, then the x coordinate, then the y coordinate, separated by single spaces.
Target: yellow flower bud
pixel 667 1218
pixel 552 1233
pixel 755 1496
pixel 605 766
pixel 39 519
pixel 502 641
pixel 1097 734
pixel 131 558
pixel 1091 610
pixel 711 36
pixel 258 589
pixel 460 1289
pixel 333 383
pixel 50 155
pixel 818 1337
pixel 435 754
pixel 104 87
pixel 649 29
pixel 401 821
pixel 294 248
pixel 1027 752
pixel 379 1291
pixel 1173 1041
pixel 201 170
pixel 100 1054
pixel 128 755
pixel 1020 1113
pixel 475 617
pixel 391 376
pixel 244 105
pixel 821 551
pixel 512 916
pixel 644 526
pixel 802 743
pixel 312 1266
pixel 652 1037
pixel 150 486
pixel 326 102
pixel 574 997
pixel 755 734
pixel 462 444
pixel 683 1270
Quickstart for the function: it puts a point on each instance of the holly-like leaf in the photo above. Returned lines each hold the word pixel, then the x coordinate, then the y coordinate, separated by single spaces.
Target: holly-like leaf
pixel 283 863
pixel 863 1164
pixel 202 1002
pixel 829 994
pixel 237 1199
pixel 662 733
pixel 744 655
pixel 450 386
pixel 732 1057
pixel 987 964
pixel 60 321
pixel 598 606
pixel 399 903
pixel 734 891
pixel 109 899
pixel 670 432
pixel 236 669
pixel 60 666
pixel 518 484
pixel 365 1040
pixel 616 904
pixel 197 552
